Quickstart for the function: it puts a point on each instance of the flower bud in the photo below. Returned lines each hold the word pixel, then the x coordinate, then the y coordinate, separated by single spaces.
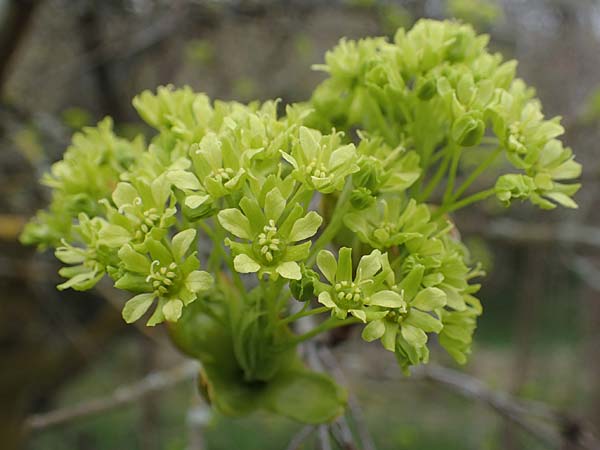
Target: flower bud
pixel 303 289
pixel 427 90
pixel 361 198
pixel 370 175
pixel 468 130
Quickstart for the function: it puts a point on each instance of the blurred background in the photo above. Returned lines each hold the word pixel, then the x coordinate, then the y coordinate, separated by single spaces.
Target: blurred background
pixel 533 381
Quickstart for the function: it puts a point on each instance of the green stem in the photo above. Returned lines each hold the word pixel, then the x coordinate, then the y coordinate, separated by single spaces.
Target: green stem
pixel 436 178
pixel 218 241
pixel 479 196
pixel 303 313
pixel 456 151
pixel 476 173
pixel 334 224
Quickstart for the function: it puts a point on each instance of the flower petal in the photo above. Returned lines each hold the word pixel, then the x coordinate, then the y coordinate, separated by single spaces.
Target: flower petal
pixel 274 204
pixel 137 306
pixel 387 299
pixel 359 314
pixel 289 270
pixel 199 280
pixel 305 227
pixel 374 330
pixel 234 221
pixel 244 264
pixel 429 299
pixel 172 310
pixel 327 265
pixel 325 299
pixel 369 265
pixel 181 243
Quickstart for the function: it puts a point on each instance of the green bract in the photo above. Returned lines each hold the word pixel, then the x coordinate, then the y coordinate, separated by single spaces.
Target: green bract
pixel 341 203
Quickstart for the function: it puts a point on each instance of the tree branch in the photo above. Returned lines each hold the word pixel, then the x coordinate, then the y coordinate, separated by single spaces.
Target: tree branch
pixel 153 382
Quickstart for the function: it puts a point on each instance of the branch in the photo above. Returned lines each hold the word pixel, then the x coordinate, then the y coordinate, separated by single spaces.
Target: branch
pixel 153 382
pixel 355 409
pixel 556 430
pixel 13 27
pixel 520 232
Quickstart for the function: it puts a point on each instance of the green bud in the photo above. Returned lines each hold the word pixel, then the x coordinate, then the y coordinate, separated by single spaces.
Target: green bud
pixel 427 90
pixel 361 198
pixel 468 130
pixel 370 175
pixel 303 289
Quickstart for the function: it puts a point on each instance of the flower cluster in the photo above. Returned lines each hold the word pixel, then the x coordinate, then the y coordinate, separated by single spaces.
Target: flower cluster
pixel 440 73
pixel 264 201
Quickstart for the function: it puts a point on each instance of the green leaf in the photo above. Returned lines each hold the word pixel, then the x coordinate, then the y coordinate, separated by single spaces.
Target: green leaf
pixel 235 222
pixel 429 299
pixel 305 227
pixel 137 306
pixel 244 264
pixel 374 330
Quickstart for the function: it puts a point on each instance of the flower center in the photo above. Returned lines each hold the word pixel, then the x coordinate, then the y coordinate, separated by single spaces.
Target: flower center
pixel 162 277
pixel 348 295
pixel 148 219
pixel 317 169
pixel 223 175
pixel 269 244
pixel 516 139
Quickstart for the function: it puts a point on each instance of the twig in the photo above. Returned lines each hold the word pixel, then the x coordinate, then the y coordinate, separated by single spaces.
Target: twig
pixel 324 441
pixel 556 432
pixel 300 437
pixel 520 232
pixel 356 412
pixel 154 382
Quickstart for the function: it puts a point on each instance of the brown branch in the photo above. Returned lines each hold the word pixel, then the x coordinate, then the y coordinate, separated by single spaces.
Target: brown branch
pixel 13 28
pixel 556 430
pixel 530 233
pixel 301 436
pixel 356 412
pixel 125 395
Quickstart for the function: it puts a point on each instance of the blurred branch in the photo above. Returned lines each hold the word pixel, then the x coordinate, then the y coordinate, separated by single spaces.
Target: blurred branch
pixel 518 232
pixel 153 382
pixel 299 438
pixel 556 430
pixel 15 17
pixel 356 412
pixel 586 270
pixel 90 31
